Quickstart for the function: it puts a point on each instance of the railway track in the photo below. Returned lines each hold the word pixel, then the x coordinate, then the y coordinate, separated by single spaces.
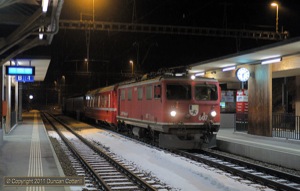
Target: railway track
pixel 255 173
pixel 272 178
pixel 101 171
pixel 275 179
pixel 259 174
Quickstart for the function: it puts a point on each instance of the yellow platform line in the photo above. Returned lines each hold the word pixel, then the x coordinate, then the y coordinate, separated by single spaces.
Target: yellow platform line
pixel 35 159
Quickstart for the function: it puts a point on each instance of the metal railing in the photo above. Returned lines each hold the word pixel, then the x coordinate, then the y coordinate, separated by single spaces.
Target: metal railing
pixel 286 126
pixel 283 125
pixel 241 122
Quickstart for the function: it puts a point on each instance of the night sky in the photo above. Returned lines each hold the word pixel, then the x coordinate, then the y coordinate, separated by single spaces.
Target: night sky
pixel 110 52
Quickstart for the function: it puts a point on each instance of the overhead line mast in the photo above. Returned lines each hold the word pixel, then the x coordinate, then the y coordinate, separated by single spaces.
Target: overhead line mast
pixel 170 29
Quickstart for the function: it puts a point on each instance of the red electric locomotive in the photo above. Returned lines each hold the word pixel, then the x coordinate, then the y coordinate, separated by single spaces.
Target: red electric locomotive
pixel 179 112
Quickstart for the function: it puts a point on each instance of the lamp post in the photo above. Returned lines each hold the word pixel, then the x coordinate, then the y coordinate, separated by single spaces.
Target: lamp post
pixel 93 10
pixel 276 5
pixel 131 62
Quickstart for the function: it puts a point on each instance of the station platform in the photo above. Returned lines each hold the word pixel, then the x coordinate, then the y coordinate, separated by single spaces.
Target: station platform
pixel 278 151
pixel 27 152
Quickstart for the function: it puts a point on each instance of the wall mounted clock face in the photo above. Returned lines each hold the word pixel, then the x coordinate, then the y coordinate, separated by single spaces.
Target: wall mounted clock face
pixel 243 74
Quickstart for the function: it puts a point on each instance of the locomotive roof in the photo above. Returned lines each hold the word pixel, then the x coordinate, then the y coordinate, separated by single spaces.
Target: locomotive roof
pixel 147 80
pixel 102 89
pixel 167 77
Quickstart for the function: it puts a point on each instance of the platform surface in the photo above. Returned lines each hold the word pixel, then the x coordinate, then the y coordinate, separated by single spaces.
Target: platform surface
pixel 27 151
pixel 279 151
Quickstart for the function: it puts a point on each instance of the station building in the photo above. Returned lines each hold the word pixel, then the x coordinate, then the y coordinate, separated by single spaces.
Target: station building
pixel 260 89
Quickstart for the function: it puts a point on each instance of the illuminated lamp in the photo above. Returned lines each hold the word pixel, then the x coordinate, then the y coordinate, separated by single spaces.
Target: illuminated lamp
pixel 41 34
pixel 200 74
pixel 45 4
pixel 178 74
pixel 228 69
pixel 173 113
pixel 270 61
pixel 213 113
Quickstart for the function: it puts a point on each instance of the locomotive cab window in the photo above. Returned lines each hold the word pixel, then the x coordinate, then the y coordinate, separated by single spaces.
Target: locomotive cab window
pixel 178 92
pixel 157 91
pixel 206 92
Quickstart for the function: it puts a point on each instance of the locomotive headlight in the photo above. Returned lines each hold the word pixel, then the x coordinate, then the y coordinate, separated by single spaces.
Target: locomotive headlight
pixel 173 113
pixel 213 113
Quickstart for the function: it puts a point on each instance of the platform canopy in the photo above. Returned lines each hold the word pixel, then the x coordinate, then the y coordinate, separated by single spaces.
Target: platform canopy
pixel 25 24
pixel 41 66
pixel 286 48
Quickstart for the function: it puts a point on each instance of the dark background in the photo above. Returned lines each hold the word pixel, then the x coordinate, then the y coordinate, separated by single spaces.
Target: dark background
pixel 110 52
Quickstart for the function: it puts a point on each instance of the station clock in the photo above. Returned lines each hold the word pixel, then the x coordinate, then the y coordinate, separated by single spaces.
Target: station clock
pixel 243 74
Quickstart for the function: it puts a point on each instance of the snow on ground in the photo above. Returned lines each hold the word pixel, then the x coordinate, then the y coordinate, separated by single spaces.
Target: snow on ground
pixel 177 172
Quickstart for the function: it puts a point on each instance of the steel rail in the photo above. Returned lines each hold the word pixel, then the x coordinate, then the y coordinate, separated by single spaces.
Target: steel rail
pixel 237 171
pixel 90 169
pixel 267 170
pixel 144 185
pixel 246 174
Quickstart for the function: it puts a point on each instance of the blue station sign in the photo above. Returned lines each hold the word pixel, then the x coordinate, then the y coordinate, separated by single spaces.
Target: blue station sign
pixel 20 70
pixel 24 78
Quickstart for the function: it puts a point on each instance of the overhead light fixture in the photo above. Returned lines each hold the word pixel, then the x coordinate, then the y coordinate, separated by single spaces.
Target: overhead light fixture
pixel 179 74
pixel 200 74
pixel 228 69
pixel 41 30
pixel 45 4
pixel 270 61
pixel 193 76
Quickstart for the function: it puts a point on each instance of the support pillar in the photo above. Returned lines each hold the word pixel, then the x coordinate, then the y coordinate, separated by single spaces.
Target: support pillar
pixel 20 106
pixel 8 101
pixel 1 106
pixel 260 100
pixel 297 103
pixel 16 102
